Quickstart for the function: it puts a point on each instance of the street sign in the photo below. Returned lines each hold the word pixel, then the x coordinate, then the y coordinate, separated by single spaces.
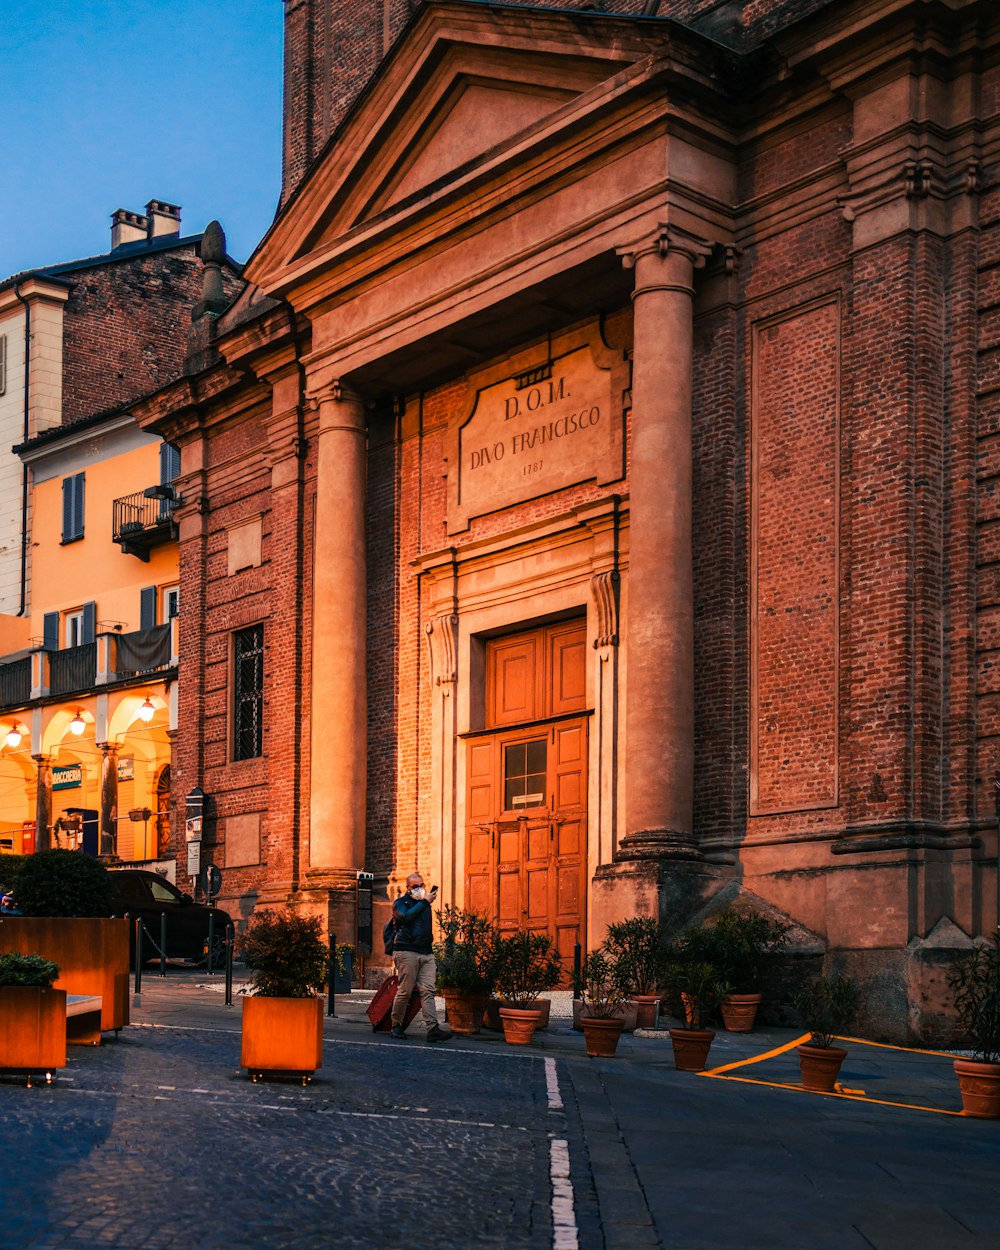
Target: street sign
pixel 364 913
pixel 194 858
pixel 210 881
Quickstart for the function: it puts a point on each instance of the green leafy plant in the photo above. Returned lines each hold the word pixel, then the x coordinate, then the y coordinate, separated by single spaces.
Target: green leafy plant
pixel 635 948
pixel 10 867
pixel 524 965
pixel 62 883
pixel 28 970
pixel 464 956
pixel 698 982
pixel 340 953
pixel 828 1007
pixel 604 991
pixel 743 941
pixel 285 953
pixel 975 978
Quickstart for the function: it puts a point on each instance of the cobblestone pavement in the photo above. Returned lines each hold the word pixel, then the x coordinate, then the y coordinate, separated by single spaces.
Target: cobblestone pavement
pixel 159 1140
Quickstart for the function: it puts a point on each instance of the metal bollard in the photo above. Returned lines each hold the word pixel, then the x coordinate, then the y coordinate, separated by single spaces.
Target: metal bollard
pixel 163 943
pixel 230 943
pixel 331 1004
pixel 138 955
pixel 576 970
pixel 211 941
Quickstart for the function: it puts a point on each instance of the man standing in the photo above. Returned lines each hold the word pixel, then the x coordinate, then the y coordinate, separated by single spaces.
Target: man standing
pixel 414 956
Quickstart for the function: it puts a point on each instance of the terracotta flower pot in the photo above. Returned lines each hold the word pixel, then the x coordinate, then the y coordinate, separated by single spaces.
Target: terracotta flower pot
pixel 465 1011
pixel 33 1037
pixel 691 1047
pixel 645 1010
pixel 626 1014
pixel 601 1035
pixel 282 1035
pixel 820 1067
pixel 980 1086
pixel 739 1012
pixel 519 1024
pixel 491 1016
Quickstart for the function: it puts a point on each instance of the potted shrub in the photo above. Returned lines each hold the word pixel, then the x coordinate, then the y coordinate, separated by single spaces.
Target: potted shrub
pixel 975 978
pixel 827 1006
pixel 604 996
pixel 33 1037
pixel 743 942
pixel 700 985
pixel 64 901
pixel 524 965
pixel 464 961
pixel 283 1016
pixel 635 949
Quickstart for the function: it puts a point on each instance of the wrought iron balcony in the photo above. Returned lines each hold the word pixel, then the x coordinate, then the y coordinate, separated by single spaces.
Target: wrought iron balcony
pixel 15 682
pixel 73 670
pixel 144 520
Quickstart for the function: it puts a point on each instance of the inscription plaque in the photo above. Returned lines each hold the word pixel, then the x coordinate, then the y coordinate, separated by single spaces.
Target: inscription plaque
pixel 536 432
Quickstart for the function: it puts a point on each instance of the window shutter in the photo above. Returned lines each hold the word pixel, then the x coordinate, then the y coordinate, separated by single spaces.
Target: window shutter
pixel 147 607
pixel 170 463
pixel 3 364
pixel 67 489
pixel 89 621
pixel 50 631
pixel 73 491
pixel 79 481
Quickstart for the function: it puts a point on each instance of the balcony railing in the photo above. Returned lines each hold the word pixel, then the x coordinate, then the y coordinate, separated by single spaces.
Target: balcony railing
pixel 73 669
pixel 140 522
pixel 15 682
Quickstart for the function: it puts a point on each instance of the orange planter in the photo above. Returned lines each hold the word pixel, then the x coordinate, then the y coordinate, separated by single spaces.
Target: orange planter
pixel 820 1067
pixel 739 1012
pixel 519 1024
pixel 980 1087
pixel 92 955
pixel 691 1047
pixel 465 1011
pixel 601 1035
pixel 33 1036
pixel 283 1035
pixel 645 1010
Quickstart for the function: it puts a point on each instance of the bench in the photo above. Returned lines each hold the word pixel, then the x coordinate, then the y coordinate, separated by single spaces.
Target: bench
pixel 83 1019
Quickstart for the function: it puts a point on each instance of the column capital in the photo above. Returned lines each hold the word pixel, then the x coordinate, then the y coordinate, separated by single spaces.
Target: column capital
pixel 663 241
pixel 109 748
pixel 331 391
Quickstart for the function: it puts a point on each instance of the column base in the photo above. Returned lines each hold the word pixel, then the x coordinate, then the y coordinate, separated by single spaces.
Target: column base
pixel 657 844
pixel 670 890
pixel 332 895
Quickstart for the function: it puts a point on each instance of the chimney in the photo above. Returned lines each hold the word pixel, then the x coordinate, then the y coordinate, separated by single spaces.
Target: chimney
pixel 127 227
pixel 163 219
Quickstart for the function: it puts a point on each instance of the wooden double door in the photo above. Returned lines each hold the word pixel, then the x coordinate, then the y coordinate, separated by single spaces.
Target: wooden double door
pixel 526 799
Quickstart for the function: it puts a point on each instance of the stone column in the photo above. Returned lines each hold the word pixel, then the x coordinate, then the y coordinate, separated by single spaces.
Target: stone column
pixel 339 715
pixel 43 803
pixel 109 799
pixel 659 703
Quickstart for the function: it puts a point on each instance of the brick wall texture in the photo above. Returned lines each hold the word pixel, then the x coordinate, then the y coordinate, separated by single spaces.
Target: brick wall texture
pixel 846 546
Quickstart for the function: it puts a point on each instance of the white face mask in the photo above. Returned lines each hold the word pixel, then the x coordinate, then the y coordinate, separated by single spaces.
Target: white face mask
pixel 418 892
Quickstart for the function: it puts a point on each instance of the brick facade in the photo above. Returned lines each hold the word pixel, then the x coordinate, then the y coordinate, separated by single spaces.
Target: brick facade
pixel 844 452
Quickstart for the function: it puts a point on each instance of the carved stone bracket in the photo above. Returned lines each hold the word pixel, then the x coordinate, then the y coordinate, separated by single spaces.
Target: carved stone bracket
pixel 442 644
pixel 604 587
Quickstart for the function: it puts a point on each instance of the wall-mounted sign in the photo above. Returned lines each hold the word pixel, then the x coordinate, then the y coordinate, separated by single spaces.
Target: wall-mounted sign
pixel 126 768
pixel 192 829
pixel 535 432
pixel 67 776
pixel 194 858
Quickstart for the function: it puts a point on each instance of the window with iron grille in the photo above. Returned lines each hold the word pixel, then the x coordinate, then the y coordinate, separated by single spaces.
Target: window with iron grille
pixel 248 692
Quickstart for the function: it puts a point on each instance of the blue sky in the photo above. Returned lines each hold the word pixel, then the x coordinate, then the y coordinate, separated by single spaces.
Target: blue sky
pixel 107 104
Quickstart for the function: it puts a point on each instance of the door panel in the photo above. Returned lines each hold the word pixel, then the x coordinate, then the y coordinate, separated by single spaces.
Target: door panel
pixel 567 670
pixel 527 788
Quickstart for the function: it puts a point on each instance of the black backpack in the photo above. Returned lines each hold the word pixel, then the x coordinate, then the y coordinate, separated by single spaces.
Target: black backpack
pixel 389 935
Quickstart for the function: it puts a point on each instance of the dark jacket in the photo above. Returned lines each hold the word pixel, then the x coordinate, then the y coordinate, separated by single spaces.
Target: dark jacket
pixel 414 930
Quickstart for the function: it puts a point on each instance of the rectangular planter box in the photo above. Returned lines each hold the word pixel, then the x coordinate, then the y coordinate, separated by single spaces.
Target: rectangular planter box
pixel 282 1035
pixel 33 1029
pixel 92 955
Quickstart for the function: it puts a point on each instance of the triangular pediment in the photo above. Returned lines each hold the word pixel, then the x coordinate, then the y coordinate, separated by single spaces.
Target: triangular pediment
pixel 463 88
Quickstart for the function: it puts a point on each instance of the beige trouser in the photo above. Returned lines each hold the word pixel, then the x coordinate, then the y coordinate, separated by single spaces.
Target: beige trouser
pixel 415 972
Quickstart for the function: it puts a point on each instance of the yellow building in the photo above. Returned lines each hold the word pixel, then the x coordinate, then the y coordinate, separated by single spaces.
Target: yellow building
pixel 86 712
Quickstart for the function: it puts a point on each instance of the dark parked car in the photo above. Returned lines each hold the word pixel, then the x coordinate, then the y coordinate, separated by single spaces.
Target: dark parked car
pixel 150 896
